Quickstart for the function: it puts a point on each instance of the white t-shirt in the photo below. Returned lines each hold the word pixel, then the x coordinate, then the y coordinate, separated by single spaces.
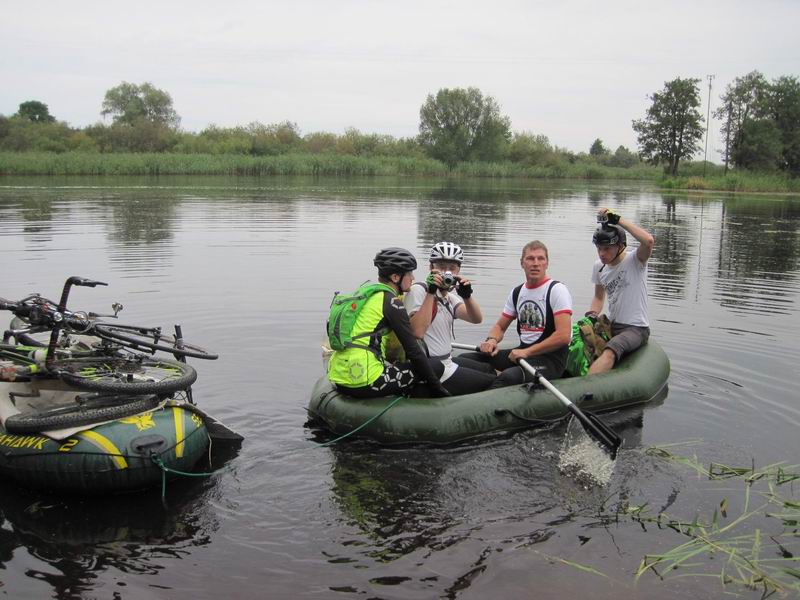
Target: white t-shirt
pixel 531 310
pixel 626 289
pixel 439 335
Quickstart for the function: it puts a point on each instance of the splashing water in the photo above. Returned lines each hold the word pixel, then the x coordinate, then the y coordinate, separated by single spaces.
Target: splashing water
pixel 583 459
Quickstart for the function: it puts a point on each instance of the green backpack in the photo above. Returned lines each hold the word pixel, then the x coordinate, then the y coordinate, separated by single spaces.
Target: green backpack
pixel 588 342
pixel 344 310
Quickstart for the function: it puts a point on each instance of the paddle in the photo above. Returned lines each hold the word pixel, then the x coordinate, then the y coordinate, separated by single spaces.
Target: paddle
pixel 601 432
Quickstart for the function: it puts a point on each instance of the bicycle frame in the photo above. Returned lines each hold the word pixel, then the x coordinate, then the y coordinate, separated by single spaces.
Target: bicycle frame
pixel 46 315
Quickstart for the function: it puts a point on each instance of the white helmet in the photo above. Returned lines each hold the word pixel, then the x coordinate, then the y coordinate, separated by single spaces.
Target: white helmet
pixel 447 251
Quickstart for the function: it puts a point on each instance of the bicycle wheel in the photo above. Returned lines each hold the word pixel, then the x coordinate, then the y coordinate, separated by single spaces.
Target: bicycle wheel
pixel 86 412
pixel 148 337
pixel 126 375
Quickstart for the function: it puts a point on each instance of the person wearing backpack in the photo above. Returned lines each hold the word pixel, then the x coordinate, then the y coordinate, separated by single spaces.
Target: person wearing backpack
pixel 359 366
pixel 622 277
pixel 434 305
pixel 542 308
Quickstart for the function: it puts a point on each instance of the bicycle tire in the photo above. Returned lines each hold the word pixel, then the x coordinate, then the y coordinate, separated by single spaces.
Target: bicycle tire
pixel 88 412
pixel 126 376
pixel 135 337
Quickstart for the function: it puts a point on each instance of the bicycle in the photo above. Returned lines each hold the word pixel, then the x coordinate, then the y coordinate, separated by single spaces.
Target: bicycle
pixel 36 314
pixel 89 354
pixel 103 369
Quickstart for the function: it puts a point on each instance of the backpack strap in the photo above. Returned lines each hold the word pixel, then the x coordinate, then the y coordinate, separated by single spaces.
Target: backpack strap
pixel 550 325
pixel 514 297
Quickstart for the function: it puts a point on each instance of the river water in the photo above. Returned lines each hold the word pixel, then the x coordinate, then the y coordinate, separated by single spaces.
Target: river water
pixel 248 267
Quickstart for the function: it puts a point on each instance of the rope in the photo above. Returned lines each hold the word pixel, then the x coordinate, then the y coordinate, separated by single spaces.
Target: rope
pixel 364 424
pixel 165 469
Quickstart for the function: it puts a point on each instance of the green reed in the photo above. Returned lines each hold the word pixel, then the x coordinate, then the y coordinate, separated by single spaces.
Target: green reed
pixel 77 163
pixel 748 556
pixel 74 163
pixel 735 182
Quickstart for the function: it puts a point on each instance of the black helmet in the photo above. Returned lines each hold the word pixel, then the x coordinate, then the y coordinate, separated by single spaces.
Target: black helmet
pixel 609 235
pixel 394 260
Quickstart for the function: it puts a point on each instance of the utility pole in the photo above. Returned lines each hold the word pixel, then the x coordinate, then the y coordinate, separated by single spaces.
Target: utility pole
pixel 708 122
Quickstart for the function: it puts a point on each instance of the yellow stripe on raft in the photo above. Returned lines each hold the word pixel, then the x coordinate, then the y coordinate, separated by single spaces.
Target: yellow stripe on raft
pixel 180 435
pixel 104 443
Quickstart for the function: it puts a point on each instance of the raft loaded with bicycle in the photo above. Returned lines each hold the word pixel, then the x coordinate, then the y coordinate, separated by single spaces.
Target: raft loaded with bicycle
pixel 86 404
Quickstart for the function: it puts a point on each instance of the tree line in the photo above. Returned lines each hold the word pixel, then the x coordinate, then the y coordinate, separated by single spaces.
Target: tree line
pixel 761 125
pixel 456 125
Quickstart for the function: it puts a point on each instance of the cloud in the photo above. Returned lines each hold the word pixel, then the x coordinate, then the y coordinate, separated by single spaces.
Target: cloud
pixel 571 70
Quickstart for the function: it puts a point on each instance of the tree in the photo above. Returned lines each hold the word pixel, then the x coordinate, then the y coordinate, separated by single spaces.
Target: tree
pixel 530 149
pixel 744 99
pixel 783 100
pixel 462 124
pixel 759 147
pixel 128 103
pixel 270 140
pixel 597 148
pixel 35 111
pixel 622 157
pixel 672 128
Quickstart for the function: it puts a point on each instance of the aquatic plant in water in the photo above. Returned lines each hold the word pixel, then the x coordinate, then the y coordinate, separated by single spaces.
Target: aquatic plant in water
pixel 752 558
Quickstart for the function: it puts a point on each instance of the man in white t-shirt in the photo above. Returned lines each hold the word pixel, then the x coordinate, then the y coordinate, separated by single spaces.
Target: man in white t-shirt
pixel 542 308
pixel 621 276
pixel 434 305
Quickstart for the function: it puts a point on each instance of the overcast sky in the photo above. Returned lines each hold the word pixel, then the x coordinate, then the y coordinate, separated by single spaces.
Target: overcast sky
pixel 571 70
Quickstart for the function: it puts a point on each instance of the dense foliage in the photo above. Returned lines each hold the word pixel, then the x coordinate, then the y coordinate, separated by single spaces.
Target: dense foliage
pixel 462 132
pixel 761 123
pixel 459 125
pixel 672 128
pixel 129 104
pixel 35 111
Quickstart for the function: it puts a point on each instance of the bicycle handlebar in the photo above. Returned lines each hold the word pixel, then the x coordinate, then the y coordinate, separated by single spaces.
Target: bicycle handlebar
pixel 83 281
pixel 7 305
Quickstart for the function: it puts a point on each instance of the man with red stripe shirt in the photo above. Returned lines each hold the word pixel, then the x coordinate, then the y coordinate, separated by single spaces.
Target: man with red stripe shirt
pixel 542 308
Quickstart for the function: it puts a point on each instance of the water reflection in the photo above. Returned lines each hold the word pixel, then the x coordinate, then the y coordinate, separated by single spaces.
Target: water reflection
pixel 669 265
pixel 468 224
pixel 75 540
pixel 757 251
pixel 439 519
pixel 248 265
pixel 142 220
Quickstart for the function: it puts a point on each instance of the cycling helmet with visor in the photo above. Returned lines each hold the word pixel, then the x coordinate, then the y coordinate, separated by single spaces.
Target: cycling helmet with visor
pixel 394 260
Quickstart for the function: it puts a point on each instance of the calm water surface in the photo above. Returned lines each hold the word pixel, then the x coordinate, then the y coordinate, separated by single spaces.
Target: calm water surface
pixel 249 266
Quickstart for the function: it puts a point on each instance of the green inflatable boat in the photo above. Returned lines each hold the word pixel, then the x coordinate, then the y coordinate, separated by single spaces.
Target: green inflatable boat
pixel 637 379
pixel 122 454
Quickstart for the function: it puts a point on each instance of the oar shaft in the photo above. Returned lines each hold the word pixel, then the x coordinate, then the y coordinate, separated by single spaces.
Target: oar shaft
pixel 458 346
pixel 591 423
pixel 556 392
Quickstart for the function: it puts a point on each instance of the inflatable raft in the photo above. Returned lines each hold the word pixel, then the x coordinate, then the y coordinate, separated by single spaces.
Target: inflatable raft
pixel 637 379
pixel 123 454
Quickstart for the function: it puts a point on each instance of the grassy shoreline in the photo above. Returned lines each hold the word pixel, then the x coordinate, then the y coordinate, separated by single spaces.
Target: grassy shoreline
pixel 734 182
pixel 329 164
pixel 74 163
